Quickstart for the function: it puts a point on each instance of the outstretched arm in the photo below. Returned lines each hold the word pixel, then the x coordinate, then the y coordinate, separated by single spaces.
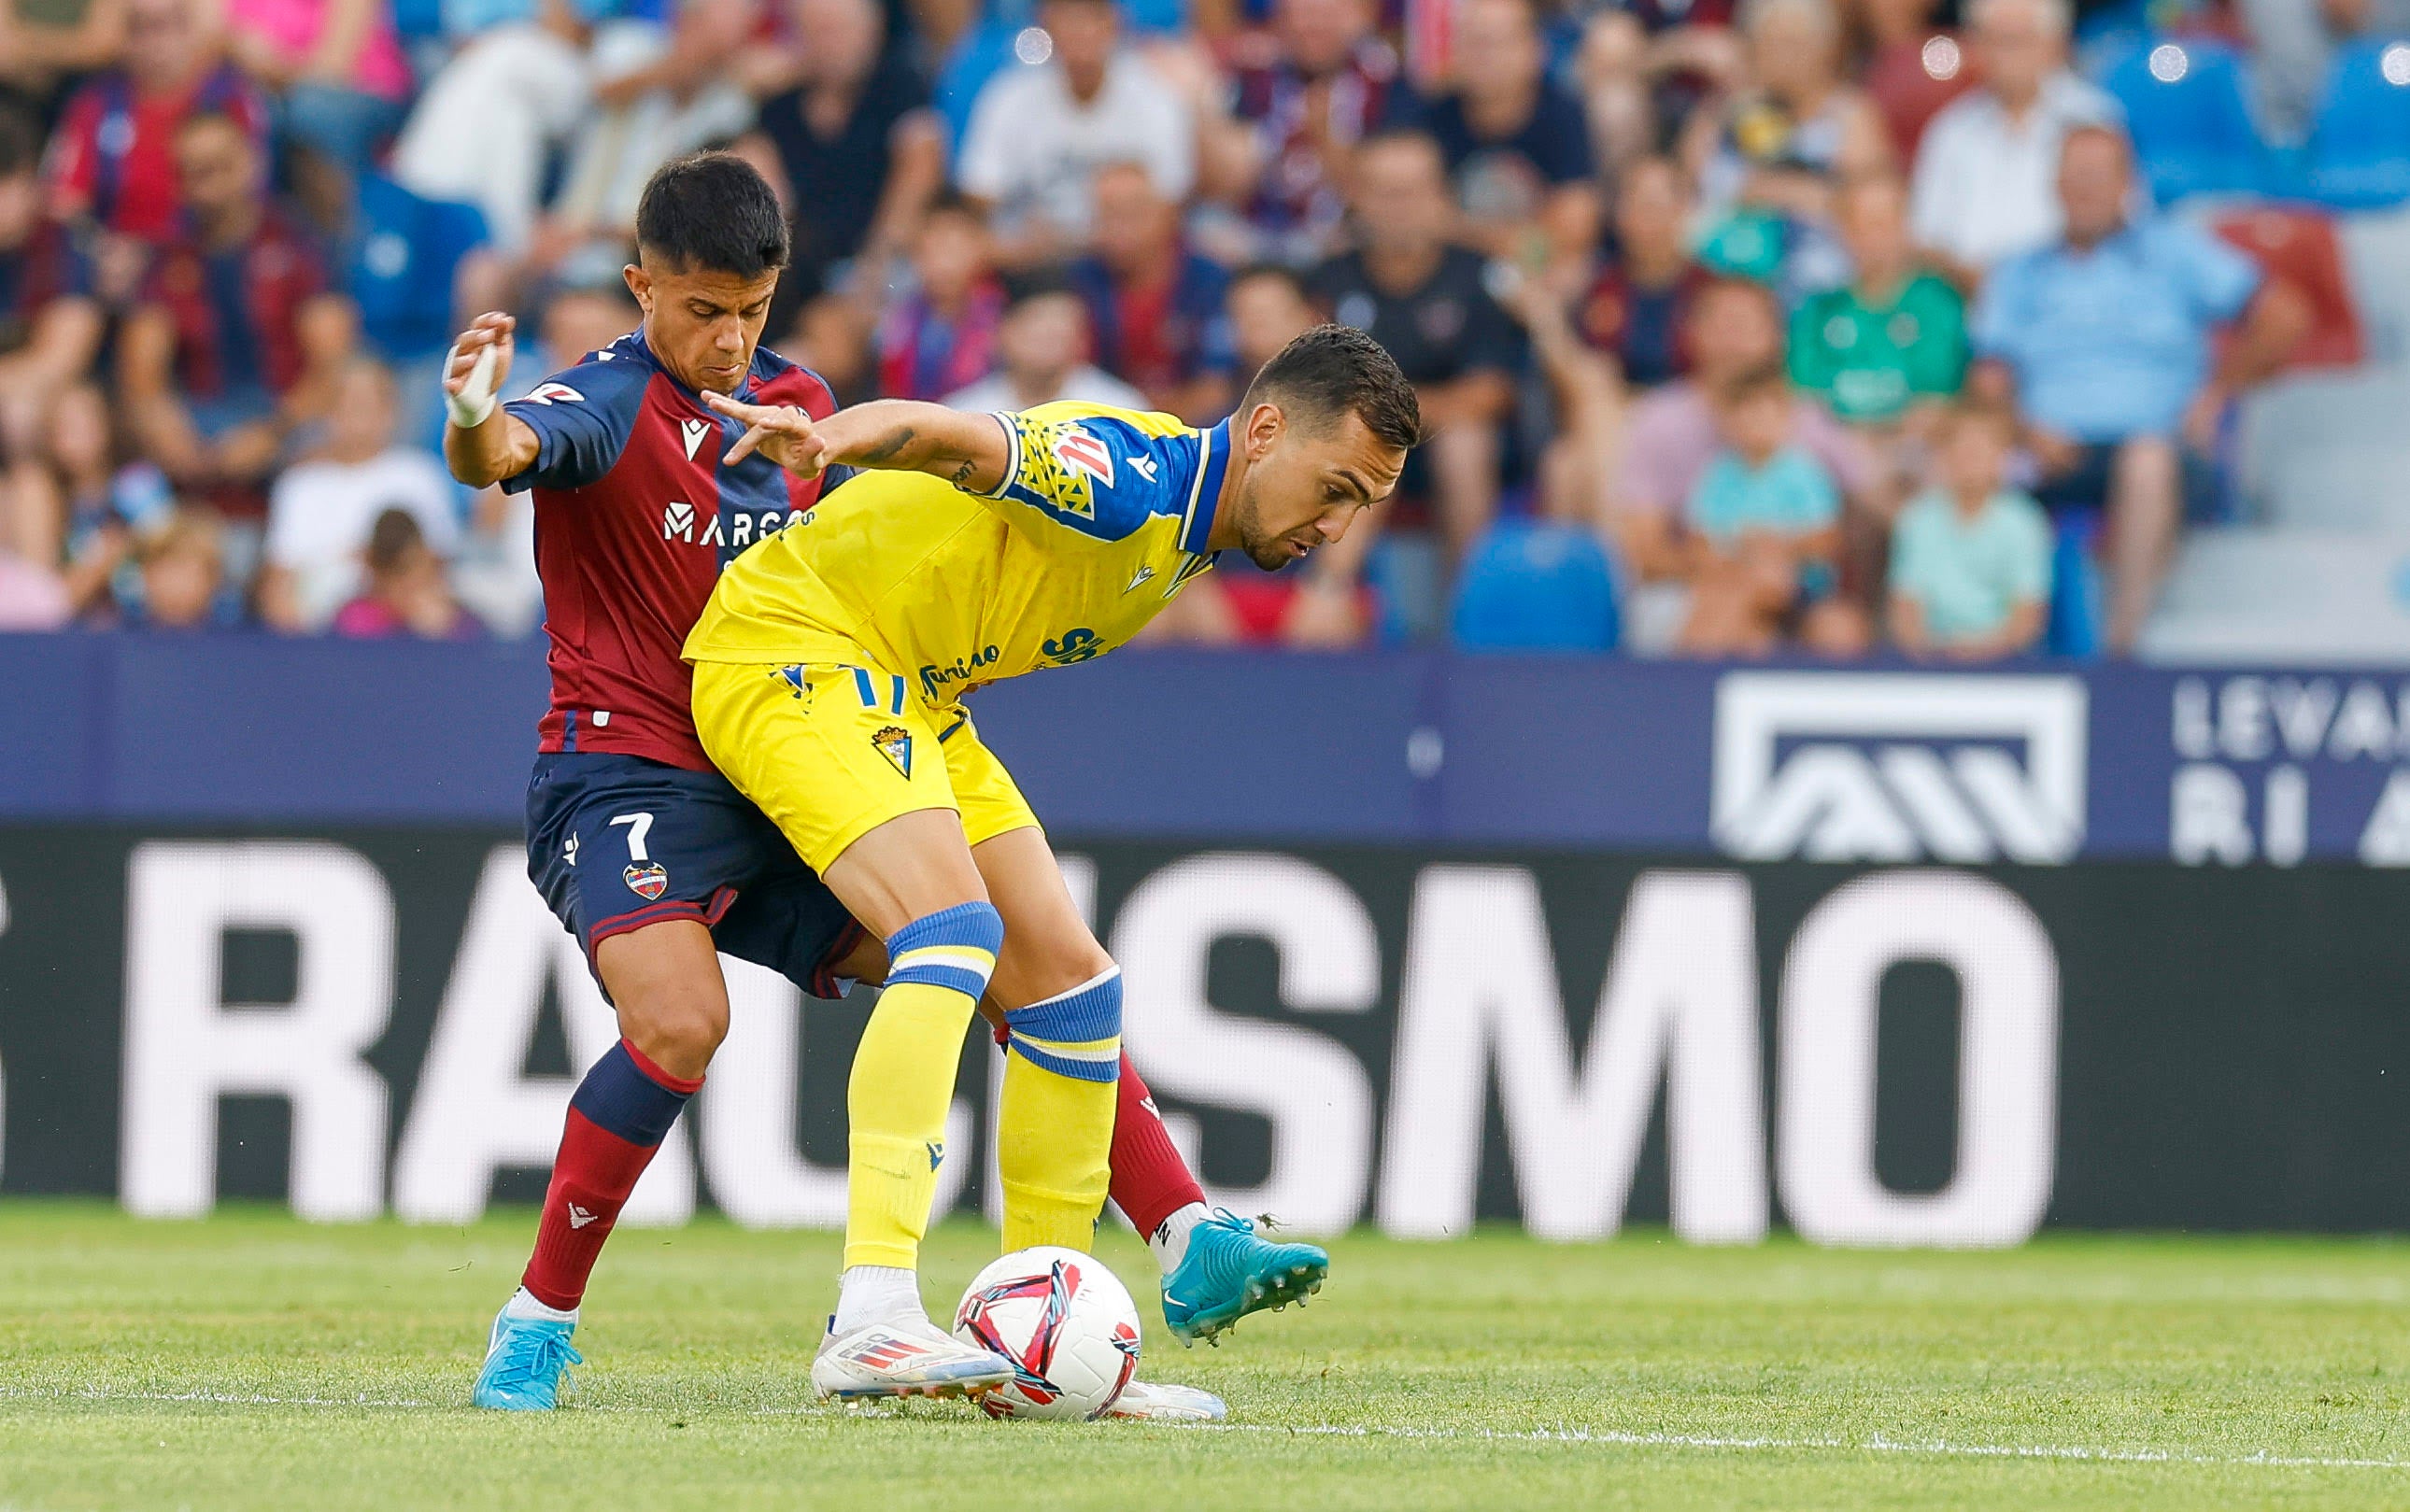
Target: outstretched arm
pixel 966 449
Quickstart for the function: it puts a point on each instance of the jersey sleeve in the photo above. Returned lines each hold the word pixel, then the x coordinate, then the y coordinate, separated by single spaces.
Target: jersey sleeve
pixel 581 418
pixel 1096 471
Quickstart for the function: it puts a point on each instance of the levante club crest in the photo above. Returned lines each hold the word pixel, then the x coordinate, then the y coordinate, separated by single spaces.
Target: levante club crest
pixel 894 742
pixel 648 879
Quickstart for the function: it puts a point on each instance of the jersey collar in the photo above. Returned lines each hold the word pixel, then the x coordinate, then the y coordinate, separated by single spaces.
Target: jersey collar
pixel 1197 523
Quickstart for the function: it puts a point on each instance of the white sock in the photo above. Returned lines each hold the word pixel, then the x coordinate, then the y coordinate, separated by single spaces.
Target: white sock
pixel 1170 1241
pixel 523 1304
pixel 868 1294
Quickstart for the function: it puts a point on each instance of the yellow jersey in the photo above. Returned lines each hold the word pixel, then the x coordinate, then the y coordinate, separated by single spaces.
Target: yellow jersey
pixel 1101 518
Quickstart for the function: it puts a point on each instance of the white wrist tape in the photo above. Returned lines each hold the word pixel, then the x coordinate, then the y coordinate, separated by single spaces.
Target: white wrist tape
pixel 469 407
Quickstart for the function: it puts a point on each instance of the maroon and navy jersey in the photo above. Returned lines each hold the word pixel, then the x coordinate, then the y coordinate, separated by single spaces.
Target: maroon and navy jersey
pixel 636 514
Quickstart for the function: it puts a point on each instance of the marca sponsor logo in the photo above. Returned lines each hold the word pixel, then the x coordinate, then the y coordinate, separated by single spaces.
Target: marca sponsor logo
pixel 738 528
pixel 1840 766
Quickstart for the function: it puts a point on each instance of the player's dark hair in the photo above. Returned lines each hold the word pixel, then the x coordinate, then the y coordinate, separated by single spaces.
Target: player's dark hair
pixel 712 211
pixel 21 142
pixel 1332 372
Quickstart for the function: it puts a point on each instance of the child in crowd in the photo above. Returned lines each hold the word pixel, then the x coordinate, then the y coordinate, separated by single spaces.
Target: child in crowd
pixel 407 593
pixel 941 336
pixel 184 575
pixel 1764 523
pixel 1971 565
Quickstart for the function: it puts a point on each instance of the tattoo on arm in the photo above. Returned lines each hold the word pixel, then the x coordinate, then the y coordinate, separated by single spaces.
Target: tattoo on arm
pixel 962 474
pixel 888 447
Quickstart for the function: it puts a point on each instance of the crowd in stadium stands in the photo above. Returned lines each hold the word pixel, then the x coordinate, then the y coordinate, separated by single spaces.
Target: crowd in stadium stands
pixel 1815 325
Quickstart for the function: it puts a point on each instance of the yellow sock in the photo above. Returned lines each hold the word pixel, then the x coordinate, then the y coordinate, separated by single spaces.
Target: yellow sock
pixel 1054 1131
pixel 896 1101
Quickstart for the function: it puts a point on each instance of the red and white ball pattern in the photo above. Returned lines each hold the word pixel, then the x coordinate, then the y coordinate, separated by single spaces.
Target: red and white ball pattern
pixel 1067 1324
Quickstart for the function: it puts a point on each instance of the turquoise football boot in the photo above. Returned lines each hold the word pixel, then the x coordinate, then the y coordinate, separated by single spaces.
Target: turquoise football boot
pixel 1231 1271
pixel 527 1359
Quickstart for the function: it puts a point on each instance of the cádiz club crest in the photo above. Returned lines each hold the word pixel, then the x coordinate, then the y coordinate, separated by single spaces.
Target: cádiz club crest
pixel 894 742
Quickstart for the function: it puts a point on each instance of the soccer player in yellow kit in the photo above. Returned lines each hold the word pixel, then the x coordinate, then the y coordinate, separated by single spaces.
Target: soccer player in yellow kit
pixel 829 668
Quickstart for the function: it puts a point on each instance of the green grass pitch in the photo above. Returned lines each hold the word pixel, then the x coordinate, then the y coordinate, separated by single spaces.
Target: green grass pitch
pixel 254 1362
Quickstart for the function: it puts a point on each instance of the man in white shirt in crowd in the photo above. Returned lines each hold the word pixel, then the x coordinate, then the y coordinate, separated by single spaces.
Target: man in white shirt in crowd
pixel 1986 184
pixel 1041 354
pixel 321 511
pixel 1039 132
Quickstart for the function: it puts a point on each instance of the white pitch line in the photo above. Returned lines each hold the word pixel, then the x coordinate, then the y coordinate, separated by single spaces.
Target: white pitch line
pixel 1877 1443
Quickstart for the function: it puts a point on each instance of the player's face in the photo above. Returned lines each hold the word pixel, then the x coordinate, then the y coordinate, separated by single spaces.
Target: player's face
pixel 1304 488
pixel 702 324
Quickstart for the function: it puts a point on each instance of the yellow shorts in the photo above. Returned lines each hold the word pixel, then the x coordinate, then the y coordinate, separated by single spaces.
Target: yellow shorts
pixel 832 752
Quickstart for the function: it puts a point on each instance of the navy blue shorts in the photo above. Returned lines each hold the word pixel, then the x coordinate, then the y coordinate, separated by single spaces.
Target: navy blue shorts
pixel 618 842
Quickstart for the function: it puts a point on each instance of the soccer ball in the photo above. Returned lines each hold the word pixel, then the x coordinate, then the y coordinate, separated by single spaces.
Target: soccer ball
pixel 1067 1324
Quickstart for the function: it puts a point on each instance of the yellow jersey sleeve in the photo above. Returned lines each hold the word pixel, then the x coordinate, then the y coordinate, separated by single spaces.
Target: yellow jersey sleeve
pixel 1087 470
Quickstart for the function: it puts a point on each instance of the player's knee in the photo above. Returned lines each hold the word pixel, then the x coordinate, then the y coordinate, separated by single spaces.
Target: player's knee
pixel 1076 1034
pixel 678 1030
pixel 953 948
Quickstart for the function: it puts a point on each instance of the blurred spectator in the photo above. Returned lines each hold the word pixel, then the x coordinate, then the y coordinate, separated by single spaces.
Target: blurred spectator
pixel 237 338
pixel 1155 305
pixel 1268 308
pixel 68 489
pixel 1517 146
pixel 483 130
pixel 941 336
pixel 1970 561
pixel 178 581
pixel 1635 309
pixel 829 337
pixel 2293 46
pixel 1039 132
pixel 43 40
pixel 32 596
pixel 1765 520
pixel 406 592
pixel 323 509
pixel 1041 349
pixel 1425 300
pixel 1892 337
pixel 335 66
pixel 1303 93
pixel 861 150
pixel 2104 340
pixel 1645 64
pixel 48 329
pixel 1768 160
pixel 1910 67
pixel 1986 173
pixel 662 87
pixel 1670 439
pixel 113 158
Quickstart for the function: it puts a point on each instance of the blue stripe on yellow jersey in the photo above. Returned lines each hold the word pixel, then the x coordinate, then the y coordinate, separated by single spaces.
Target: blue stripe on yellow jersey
pixel 1102 514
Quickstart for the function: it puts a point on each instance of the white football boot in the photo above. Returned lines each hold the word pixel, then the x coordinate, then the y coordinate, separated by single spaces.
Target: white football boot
pixel 1144 1402
pixel 914 1358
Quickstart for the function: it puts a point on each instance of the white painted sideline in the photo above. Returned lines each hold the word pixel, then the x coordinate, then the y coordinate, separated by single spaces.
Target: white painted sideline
pixel 1877 1443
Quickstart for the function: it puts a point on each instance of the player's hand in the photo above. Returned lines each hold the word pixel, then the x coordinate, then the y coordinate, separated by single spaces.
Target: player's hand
pixel 781 433
pixel 478 366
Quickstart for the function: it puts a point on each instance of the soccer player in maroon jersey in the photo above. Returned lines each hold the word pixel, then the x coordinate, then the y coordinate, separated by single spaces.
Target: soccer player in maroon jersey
pixel 645 852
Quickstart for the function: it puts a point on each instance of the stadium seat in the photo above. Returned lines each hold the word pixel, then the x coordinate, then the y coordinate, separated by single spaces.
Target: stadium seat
pixel 1531 587
pixel 2188 104
pixel 2300 246
pixel 2358 159
pixel 2075 591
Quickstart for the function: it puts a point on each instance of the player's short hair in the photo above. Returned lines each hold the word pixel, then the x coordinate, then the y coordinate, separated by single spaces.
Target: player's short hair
pixel 1332 372
pixel 712 211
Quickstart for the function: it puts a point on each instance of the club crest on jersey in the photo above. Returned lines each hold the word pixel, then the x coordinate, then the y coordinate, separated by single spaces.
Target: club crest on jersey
pixel 648 879
pixel 894 742
pixel 547 393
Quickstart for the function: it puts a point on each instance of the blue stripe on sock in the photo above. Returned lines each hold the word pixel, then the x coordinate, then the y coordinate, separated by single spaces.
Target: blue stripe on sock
pixel 1082 1070
pixel 976 925
pixel 619 1097
pixel 969 984
pixel 1093 1012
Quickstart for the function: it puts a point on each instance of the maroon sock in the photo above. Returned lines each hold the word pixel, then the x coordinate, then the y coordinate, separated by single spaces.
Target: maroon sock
pixel 1151 1181
pixel 618 1117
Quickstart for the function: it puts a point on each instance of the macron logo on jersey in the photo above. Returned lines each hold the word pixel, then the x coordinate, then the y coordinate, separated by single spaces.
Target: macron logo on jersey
pixel 694 430
pixel 1079 451
pixel 547 393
